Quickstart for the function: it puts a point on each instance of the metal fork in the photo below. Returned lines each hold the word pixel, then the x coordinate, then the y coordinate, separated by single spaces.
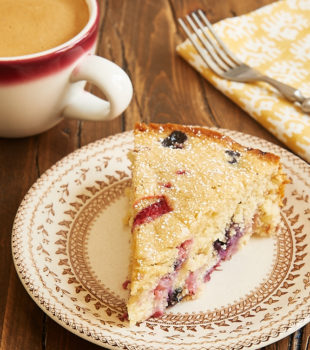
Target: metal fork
pixel 225 64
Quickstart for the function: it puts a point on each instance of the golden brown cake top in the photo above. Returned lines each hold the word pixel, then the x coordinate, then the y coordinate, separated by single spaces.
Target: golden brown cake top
pixel 203 132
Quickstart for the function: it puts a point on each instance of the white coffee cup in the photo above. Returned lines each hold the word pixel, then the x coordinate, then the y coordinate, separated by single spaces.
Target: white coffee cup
pixel 38 90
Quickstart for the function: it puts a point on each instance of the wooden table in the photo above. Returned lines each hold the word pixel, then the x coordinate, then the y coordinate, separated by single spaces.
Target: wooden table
pixel 140 36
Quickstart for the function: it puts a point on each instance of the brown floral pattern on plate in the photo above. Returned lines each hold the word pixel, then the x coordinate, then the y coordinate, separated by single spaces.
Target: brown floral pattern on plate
pixel 70 249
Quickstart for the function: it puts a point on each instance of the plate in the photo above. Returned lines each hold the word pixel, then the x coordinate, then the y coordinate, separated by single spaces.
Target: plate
pixel 71 251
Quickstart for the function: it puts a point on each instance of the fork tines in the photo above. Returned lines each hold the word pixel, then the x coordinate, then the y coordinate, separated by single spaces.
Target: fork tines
pixel 209 45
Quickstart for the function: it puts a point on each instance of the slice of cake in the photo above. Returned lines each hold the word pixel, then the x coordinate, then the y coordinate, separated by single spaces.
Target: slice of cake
pixel 196 197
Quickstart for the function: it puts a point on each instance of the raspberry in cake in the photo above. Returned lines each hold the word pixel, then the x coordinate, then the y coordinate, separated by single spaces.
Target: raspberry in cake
pixel 197 196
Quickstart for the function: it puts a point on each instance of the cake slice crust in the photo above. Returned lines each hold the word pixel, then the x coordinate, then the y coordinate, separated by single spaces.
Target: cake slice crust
pixel 196 197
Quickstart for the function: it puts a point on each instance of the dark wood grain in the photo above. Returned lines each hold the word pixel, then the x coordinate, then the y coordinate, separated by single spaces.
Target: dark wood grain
pixel 305 338
pixel 17 173
pixel 140 36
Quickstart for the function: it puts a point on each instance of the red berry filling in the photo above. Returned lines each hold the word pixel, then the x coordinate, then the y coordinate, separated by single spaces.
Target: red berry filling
pixel 165 184
pixel 125 284
pixel 191 283
pixel 164 292
pixel 158 313
pixel 161 293
pixel 152 212
pixel 145 198
pixel 182 254
pixel 163 287
pixel 207 276
pixel 124 317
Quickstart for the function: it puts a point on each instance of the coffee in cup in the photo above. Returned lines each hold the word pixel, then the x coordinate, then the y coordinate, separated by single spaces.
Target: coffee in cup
pixel 31 26
pixel 46 57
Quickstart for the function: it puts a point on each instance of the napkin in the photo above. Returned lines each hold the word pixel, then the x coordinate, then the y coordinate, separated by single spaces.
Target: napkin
pixel 275 39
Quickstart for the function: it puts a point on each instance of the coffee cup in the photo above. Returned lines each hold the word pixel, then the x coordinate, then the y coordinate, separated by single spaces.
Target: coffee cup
pixel 43 74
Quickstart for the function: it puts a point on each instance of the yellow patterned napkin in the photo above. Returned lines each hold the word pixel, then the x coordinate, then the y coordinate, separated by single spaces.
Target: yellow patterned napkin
pixel 275 39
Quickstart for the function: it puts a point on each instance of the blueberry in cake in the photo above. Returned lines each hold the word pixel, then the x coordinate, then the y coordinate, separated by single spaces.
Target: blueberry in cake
pixel 196 197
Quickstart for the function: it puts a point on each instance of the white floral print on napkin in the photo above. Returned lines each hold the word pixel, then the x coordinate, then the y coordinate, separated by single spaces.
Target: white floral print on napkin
pixel 275 39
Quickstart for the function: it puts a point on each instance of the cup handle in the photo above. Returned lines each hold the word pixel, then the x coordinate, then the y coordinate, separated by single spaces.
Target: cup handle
pixel 109 78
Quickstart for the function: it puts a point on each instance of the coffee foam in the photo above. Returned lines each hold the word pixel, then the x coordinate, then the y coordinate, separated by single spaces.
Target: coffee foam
pixel 31 26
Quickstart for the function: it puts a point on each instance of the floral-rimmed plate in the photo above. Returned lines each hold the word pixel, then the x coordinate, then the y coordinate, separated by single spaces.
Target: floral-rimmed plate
pixel 71 251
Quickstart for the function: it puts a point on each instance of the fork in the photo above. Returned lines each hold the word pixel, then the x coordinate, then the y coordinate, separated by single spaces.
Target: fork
pixel 225 64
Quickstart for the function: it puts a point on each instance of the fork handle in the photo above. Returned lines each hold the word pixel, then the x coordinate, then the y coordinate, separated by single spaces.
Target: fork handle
pixel 289 93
